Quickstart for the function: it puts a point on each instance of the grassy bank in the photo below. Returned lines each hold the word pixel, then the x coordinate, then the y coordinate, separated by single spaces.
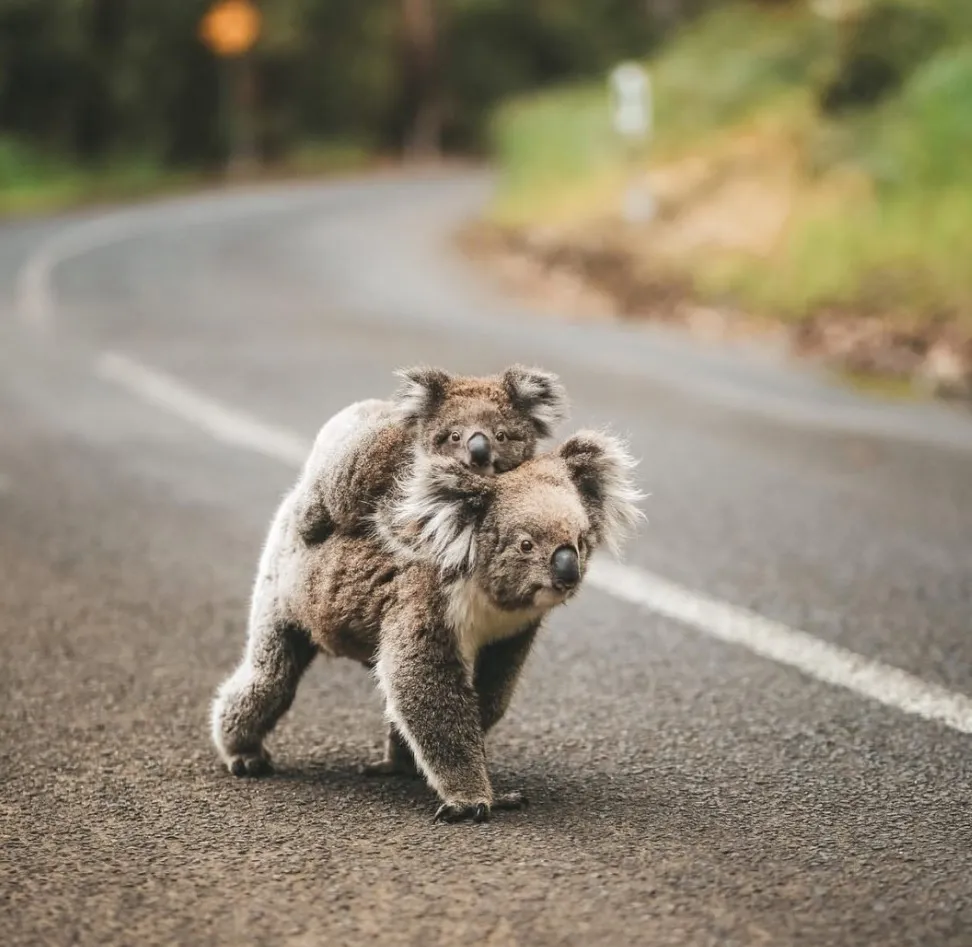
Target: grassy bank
pixel 774 194
pixel 32 182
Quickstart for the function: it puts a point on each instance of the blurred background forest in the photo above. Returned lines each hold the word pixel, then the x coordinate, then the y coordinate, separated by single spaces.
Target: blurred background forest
pixel 90 83
pixel 811 161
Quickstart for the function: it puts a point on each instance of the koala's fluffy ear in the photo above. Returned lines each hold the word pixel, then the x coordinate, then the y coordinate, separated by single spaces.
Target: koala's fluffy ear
pixel 601 469
pixel 440 506
pixel 422 392
pixel 538 395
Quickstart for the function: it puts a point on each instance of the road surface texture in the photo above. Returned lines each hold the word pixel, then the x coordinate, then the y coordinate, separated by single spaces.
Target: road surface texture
pixel 756 730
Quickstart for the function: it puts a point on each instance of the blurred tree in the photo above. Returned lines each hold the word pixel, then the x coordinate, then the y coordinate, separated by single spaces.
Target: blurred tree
pixel 420 79
pixel 96 79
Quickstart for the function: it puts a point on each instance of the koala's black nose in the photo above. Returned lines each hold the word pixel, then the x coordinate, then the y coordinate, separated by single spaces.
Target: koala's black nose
pixel 566 567
pixel 479 452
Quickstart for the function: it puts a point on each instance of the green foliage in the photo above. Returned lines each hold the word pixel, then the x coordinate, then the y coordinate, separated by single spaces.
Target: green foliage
pixel 547 143
pixel 900 242
pixel 90 79
pixel 879 52
pixel 727 66
pixel 21 166
pixel 924 137
pixel 909 247
pixel 906 256
pixel 31 180
pixel 733 62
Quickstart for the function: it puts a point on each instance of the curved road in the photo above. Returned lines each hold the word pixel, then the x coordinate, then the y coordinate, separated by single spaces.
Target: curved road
pixel 757 730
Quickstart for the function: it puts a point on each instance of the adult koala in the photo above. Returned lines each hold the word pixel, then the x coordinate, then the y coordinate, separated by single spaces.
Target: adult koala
pixel 444 610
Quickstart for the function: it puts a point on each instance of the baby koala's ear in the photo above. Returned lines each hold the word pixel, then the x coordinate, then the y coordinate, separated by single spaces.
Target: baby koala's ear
pixel 422 392
pixel 440 506
pixel 538 395
pixel 600 467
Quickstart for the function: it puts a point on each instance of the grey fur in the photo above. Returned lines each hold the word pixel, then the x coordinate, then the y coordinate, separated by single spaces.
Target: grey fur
pixel 360 451
pixel 446 620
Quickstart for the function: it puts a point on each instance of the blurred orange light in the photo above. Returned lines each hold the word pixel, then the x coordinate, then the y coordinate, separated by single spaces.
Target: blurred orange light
pixel 230 27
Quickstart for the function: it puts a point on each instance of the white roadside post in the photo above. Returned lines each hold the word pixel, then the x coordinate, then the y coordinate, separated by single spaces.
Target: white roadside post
pixel 632 113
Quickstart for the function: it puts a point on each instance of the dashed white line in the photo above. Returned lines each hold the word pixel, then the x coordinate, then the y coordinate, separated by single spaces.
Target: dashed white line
pixel 222 423
pixel 774 640
pixel 35 300
pixel 816 658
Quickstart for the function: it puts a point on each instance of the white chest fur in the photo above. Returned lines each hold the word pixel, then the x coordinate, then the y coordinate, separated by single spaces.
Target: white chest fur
pixel 477 621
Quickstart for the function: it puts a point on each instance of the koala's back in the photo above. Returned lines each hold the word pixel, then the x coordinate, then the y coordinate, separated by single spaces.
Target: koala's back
pixel 356 457
pixel 350 588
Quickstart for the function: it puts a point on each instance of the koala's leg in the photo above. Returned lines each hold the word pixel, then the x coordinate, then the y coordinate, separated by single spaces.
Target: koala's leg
pixel 258 693
pixel 347 460
pixel 398 760
pixel 498 668
pixel 431 702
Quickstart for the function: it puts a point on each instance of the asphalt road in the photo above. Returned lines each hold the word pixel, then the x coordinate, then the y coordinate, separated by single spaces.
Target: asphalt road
pixel 158 370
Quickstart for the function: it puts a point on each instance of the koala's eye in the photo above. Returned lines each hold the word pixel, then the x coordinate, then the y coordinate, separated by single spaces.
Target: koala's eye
pixel 455 437
pixel 526 546
pixel 500 436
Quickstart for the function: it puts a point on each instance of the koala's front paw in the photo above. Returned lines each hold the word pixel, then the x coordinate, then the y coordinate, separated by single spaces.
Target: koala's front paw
pixel 390 768
pixel 251 764
pixel 461 811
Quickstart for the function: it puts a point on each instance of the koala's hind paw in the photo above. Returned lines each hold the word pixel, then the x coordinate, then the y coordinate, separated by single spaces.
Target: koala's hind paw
pixel 511 800
pixel 389 768
pixel 461 811
pixel 251 764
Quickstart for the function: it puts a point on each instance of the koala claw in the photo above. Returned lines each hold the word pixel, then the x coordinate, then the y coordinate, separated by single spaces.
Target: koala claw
pixel 458 812
pixel 389 768
pixel 511 800
pixel 251 764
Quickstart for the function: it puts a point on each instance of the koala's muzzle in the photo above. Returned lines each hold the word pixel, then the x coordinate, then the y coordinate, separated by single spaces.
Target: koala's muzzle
pixel 566 567
pixel 479 453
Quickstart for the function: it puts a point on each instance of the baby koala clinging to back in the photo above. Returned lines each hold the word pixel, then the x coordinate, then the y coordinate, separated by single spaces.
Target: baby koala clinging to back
pixel 491 424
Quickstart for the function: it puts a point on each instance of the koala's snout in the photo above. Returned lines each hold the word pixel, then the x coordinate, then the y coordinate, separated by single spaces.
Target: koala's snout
pixel 480 454
pixel 566 567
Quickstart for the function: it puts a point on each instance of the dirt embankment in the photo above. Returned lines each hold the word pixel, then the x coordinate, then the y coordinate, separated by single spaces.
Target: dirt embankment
pixel 738 204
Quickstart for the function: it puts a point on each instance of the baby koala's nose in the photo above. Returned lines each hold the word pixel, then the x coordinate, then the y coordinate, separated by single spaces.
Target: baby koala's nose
pixel 479 452
pixel 566 567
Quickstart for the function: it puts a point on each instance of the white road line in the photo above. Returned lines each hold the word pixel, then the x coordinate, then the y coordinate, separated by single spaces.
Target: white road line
pixel 35 302
pixel 221 423
pixel 818 659
pixel 815 658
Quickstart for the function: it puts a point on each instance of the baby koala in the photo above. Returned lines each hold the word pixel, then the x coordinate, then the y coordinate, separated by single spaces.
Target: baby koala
pixel 489 424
